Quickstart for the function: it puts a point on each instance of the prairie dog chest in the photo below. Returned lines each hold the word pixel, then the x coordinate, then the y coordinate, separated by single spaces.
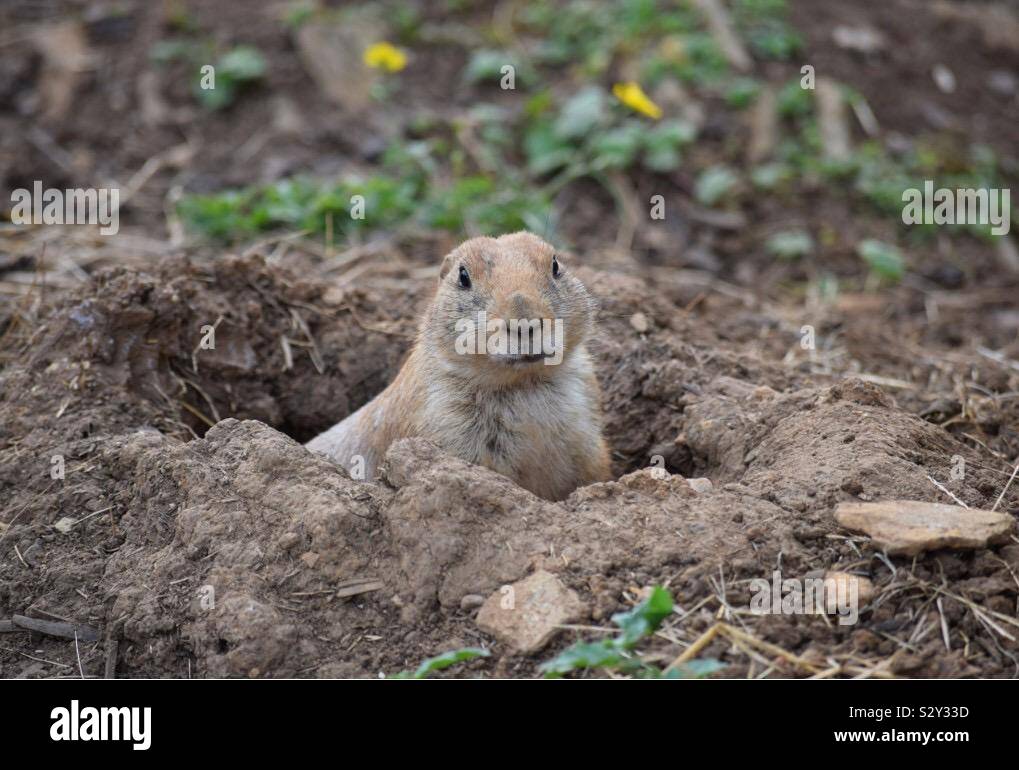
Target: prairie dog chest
pixel 536 430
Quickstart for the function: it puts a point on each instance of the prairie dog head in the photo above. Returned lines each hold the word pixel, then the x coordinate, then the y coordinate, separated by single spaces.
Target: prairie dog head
pixel 508 308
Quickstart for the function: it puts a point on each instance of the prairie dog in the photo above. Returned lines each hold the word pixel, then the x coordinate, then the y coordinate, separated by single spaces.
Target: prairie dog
pixel 532 416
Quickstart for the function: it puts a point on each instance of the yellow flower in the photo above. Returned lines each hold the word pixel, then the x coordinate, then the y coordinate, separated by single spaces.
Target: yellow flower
pixel 385 56
pixel 633 96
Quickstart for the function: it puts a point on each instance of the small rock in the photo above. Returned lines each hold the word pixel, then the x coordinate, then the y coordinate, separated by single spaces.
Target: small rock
pixel 863 39
pixel 310 559
pixel 909 527
pixel 64 524
pixel 288 540
pixel 471 601
pixel 526 615
pixel 944 78
pixel 843 587
pixel 700 486
pixel 639 322
pixel 1003 82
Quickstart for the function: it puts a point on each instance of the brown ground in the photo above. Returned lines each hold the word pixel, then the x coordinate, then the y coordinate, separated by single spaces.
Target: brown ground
pixel 103 368
pixel 106 379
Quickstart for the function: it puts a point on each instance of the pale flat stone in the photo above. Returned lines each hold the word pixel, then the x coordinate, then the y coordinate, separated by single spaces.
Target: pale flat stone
pixel 526 614
pixel 700 486
pixel 909 527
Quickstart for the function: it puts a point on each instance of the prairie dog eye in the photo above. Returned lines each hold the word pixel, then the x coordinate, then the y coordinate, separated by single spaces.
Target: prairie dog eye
pixel 555 267
pixel 465 279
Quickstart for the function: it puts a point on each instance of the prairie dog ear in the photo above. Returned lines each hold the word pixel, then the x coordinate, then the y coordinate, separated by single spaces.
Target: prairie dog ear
pixel 447 265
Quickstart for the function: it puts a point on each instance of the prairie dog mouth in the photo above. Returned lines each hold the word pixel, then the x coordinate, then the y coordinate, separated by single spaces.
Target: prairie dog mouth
pixel 519 359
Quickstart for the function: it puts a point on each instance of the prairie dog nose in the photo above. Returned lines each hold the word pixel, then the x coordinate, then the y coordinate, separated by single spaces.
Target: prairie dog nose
pixel 520 306
pixel 526 305
pixel 524 312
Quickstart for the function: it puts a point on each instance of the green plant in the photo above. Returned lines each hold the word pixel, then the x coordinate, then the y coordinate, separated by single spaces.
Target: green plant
pixel 404 192
pixel 763 23
pixel 790 245
pixel 588 136
pixel 439 662
pixel 486 66
pixel 662 144
pixel 231 71
pixel 884 260
pixel 715 183
pixel 768 176
pixel 742 92
pixel 298 12
pixel 794 101
pixel 234 69
pixel 617 653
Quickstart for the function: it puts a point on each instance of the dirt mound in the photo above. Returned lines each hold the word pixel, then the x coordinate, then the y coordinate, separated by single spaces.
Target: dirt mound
pixel 232 551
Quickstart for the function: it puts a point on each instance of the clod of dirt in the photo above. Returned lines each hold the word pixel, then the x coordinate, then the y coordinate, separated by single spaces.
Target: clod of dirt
pixel 528 614
pixel 909 527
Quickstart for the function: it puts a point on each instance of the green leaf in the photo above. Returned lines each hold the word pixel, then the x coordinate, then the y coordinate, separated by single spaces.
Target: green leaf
pixel 714 183
pixel 675 133
pixel 581 114
pixel 545 150
pixel 600 654
pixel 742 92
pixel 662 159
pixel 770 175
pixel 486 65
pixel 645 618
pixel 884 259
pixel 776 42
pixel 241 64
pixel 636 624
pixel 218 97
pixel 447 659
pixel 794 101
pixel 172 49
pixel 790 245
pixel 439 662
pixel 616 148
pixel 662 144
pixel 695 669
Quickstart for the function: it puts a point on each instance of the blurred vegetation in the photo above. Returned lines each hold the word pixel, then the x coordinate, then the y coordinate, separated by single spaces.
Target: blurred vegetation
pixel 493 169
pixel 233 69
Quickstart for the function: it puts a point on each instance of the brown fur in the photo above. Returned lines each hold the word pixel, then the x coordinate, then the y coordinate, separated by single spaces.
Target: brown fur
pixel 538 424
